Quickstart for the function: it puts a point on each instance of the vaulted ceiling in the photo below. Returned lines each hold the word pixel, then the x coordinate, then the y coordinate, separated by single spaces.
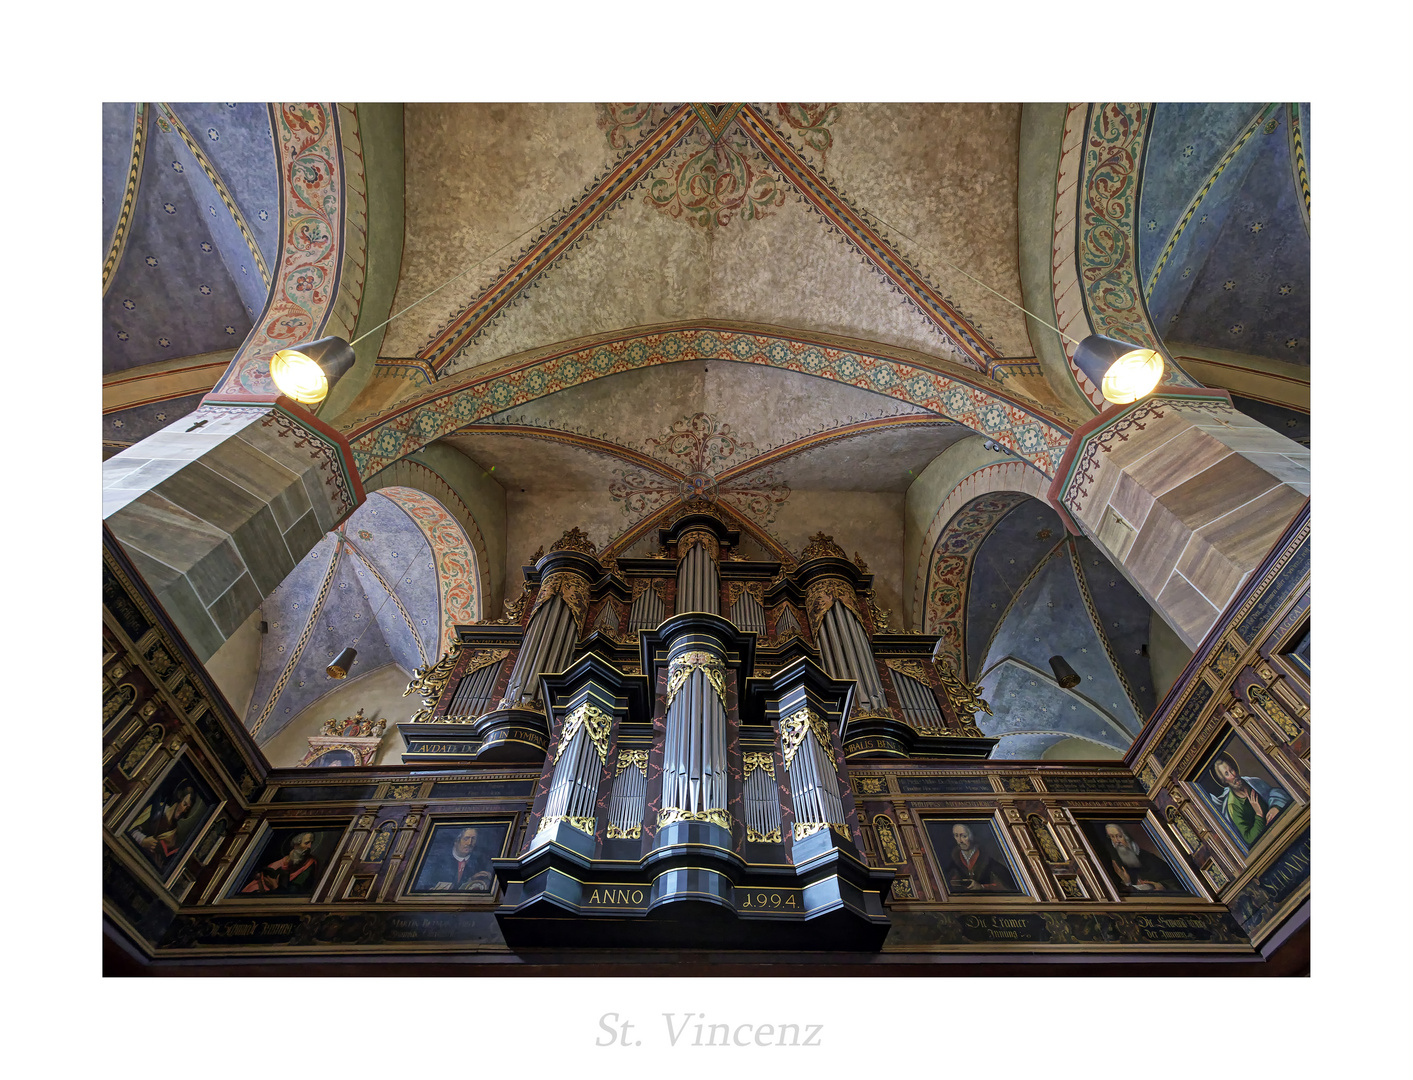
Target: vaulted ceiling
pixel 533 226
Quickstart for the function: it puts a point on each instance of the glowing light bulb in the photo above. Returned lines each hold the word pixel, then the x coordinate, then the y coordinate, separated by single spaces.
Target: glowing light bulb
pixel 299 377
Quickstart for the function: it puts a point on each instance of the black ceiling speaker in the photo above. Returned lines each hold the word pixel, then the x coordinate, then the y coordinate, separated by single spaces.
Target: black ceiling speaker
pixel 1064 674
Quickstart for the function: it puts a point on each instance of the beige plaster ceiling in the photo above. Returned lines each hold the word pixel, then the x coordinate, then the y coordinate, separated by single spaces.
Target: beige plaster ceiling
pixel 746 214
pixel 938 181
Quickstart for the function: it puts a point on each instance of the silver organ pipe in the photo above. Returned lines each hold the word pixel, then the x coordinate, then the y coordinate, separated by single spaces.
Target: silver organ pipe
pixel 473 693
pixel 762 801
pixel 748 614
pixel 814 787
pixel 630 793
pixel 847 655
pixel 698 582
pixel 920 707
pixel 548 645
pixel 694 749
pixel 648 611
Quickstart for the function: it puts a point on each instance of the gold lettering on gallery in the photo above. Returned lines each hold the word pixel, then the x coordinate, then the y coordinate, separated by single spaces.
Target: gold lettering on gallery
pixel 616 896
pixel 1293 864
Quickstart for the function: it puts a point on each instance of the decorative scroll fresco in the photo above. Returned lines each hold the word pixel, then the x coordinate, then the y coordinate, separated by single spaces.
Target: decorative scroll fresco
pixel 810 122
pixel 452 555
pixel 697 449
pixel 715 183
pixel 120 231
pixel 476 395
pixel 625 123
pixel 1107 244
pixel 558 237
pixel 950 571
pixel 307 275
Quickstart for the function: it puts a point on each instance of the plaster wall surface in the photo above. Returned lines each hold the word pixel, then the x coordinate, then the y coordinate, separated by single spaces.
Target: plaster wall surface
pixel 381 135
pixel 1042 131
pixel 944 174
pixel 924 496
pixel 478 176
pixel 235 665
pixel 378 694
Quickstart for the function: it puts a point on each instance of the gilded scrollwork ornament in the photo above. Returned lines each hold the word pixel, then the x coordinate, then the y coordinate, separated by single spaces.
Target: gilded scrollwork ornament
pixel 887 834
pixel 809 828
pixel 912 668
pixel 572 588
pixel 429 682
pixel 594 721
pixel 822 593
pixel 575 540
pixel 356 726
pixel 715 815
pixel 632 759
pixel 734 590
pixel 515 609
pixel 1266 701
pixel 966 700
pixel 705 537
pixel 882 617
pixel 583 824
pixel 751 762
pixel 1044 839
pixel 685 663
pixel 822 547
pixel 796 726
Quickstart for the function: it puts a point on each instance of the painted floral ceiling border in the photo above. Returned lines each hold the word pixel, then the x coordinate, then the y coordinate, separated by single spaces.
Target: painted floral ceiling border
pixel 477 395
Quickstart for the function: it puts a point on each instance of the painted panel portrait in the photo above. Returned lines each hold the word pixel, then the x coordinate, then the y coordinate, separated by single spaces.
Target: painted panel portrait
pixel 290 863
pixel 335 758
pixel 457 858
pixel 972 858
pixel 1133 860
pixel 1246 798
pixel 173 816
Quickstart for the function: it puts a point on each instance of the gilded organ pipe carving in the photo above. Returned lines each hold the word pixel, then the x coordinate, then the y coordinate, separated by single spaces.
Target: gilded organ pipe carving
pixel 795 727
pixel 705 537
pixel 672 814
pixel 751 762
pixel 682 667
pixel 822 593
pixel 571 587
pixel 595 722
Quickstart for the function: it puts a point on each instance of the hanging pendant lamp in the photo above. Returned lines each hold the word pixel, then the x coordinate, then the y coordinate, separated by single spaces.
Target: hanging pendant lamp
pixel 342 663
pixel 309 371
pixel 1122 371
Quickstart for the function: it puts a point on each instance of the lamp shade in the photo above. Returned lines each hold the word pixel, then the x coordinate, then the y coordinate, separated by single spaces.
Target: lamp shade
pixel 342 662
pixel 307 372
pixel 1065 675
pixel 1122 371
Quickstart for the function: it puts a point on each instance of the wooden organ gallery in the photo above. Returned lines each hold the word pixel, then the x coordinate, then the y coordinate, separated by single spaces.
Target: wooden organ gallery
pixel 700 751
pixel 511 400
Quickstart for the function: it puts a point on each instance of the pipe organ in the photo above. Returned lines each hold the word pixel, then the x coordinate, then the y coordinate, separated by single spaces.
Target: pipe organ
pixel 690 755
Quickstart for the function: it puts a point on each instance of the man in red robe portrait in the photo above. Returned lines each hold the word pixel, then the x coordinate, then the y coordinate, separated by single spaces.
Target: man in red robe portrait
pixel 294 874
